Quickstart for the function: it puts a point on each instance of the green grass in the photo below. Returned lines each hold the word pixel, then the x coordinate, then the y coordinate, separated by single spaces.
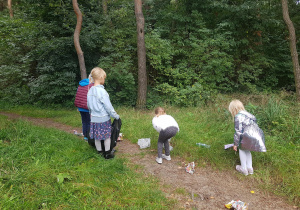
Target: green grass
pixel 67 116
pixel 277 170
pixel 33 158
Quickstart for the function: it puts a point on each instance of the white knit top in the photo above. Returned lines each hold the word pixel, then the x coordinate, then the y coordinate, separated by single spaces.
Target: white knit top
pixel 163 121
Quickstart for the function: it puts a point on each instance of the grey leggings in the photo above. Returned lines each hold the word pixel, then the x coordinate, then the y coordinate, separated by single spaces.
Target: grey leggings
pixel 163 138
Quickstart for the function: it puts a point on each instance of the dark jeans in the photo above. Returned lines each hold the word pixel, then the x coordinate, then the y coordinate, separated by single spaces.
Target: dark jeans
pixel 86 121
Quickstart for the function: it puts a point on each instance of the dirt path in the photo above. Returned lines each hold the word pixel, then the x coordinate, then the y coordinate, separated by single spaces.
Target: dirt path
pixel 205 189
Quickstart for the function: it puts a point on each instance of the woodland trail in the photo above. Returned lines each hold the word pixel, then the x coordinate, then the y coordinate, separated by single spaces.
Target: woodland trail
pixel 207 188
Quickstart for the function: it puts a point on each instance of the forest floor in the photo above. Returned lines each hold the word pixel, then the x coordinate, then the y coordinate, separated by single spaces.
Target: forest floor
pixel 207 188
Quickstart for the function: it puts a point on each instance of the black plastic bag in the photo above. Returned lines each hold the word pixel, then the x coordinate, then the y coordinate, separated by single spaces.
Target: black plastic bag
pixel 115 131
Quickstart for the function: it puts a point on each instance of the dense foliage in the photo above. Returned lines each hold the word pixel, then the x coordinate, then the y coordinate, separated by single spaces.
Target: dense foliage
pixel 195 49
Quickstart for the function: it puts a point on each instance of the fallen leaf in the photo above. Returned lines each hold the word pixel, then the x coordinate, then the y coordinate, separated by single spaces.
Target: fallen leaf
pixel 252 191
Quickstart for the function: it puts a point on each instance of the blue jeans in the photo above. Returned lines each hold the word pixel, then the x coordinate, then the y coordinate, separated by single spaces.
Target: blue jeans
pixel 86 120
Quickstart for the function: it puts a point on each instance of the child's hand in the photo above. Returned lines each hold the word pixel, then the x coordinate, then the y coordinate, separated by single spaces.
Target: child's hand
pixel 235 148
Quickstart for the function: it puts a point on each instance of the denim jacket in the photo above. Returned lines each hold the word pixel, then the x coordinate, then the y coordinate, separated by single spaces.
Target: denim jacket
pixel 99 105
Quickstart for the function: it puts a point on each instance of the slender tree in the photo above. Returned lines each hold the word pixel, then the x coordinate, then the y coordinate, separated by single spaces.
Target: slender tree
pixel 104 6
pixel 76 40
pixel 141 53
pixel 11 14
pixel 293 47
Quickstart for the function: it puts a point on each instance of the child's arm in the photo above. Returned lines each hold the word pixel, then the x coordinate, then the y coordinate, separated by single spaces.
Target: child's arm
pixel 108 106
pixel 238 130
pixel 155 123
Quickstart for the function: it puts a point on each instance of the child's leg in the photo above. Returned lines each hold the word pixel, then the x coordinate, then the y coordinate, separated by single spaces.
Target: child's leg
pixel 248 159
pixel 98 145
pixel 159 148
pixel 107 144
pixel 85 119
pixel 167 148
pixel 164 137
pixel 243 158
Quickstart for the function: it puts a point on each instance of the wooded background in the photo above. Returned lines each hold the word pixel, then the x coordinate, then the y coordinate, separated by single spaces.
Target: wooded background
pixel 194 49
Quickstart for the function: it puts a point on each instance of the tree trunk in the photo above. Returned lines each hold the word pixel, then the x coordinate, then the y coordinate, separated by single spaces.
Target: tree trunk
pixel 11 14
pixel 104 7
pixel 76 40
pixel 293 48
pixel 141 53
pixel 1 6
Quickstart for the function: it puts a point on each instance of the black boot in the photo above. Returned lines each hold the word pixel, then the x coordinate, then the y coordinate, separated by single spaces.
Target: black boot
pixel 108 155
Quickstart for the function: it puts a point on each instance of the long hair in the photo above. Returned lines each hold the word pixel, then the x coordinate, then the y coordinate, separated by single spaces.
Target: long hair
pixel 235 107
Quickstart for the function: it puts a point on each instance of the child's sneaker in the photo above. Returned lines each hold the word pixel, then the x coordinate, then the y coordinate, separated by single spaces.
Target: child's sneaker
pixel 250 170
pixel 241 170
pixel 159 160
pixel 166 157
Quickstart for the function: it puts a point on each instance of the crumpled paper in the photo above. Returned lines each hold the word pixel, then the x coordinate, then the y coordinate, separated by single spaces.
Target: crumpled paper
pixel 237 205
pixel 190 168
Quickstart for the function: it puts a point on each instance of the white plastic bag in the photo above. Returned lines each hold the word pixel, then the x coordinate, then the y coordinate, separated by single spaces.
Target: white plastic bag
pixel 144 143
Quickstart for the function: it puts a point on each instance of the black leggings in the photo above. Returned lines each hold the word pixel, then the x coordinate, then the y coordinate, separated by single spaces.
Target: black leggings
pixel 163 138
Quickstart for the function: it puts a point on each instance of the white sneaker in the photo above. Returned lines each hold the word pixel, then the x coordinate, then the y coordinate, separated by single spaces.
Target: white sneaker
pixel 159 160
pixel 166 157
pixel 250 170
pixel 241 170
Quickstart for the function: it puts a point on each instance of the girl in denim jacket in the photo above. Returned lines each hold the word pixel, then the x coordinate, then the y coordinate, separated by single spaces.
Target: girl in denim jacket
pixel 101 111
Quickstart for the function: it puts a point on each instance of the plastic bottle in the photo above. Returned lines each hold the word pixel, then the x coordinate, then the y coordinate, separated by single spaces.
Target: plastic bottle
pixel 203 145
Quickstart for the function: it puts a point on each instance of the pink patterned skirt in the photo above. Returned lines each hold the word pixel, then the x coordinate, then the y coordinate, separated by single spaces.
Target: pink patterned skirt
pixel 100 131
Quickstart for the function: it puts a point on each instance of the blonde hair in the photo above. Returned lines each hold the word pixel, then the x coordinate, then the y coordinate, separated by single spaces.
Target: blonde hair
pixel 98 74
pixel 159 111
pixel 235 107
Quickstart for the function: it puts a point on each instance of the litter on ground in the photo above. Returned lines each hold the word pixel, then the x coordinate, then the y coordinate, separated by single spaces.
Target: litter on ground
pixel 76 133
pixel 144 143
pixel 190 168
pixel 237 205
pixel 227 146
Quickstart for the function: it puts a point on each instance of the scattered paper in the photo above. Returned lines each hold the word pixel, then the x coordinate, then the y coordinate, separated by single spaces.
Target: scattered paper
pixel 190 168
pixel 228 146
